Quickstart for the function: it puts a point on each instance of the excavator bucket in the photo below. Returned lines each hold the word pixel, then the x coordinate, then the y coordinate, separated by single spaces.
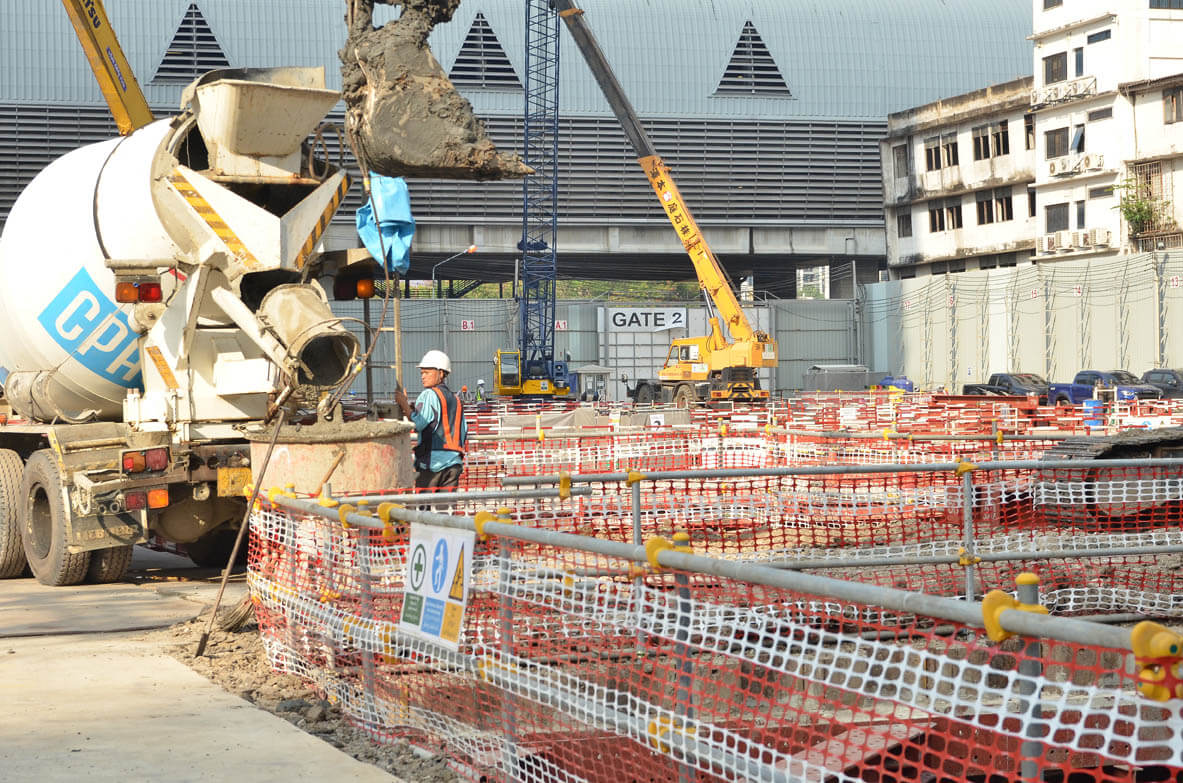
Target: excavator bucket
pixel 404 116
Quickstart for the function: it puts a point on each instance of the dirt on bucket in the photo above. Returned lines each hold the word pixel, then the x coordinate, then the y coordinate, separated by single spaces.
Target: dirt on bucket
pixel 403 113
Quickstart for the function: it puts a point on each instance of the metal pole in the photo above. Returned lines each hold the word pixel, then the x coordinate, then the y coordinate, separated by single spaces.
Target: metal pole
pixel 365 316
pixel 1030 670
pixel 967 532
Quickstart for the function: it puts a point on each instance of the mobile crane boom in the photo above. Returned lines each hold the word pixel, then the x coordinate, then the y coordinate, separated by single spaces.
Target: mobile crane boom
pixel 729 371
pixel 118 84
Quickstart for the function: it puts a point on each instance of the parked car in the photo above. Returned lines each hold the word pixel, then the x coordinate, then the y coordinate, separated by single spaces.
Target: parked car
pixel 1010 384
pixel 1169 382
pixel 1108 385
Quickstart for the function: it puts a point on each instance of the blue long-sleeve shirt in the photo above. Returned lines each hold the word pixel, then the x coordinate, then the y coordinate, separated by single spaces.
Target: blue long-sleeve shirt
pixel 426 416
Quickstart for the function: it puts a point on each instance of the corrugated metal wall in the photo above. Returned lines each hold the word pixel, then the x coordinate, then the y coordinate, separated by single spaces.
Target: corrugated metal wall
pixel 1051 319
pixel 808 332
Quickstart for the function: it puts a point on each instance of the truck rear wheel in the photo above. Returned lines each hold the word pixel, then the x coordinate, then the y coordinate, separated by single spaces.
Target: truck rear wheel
pixel 12 554
pixel 684 396
pixel 108 565
pixel 43 524
pixel 644 394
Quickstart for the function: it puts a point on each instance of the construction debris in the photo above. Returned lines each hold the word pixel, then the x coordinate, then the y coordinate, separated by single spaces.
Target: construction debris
pixel 404 116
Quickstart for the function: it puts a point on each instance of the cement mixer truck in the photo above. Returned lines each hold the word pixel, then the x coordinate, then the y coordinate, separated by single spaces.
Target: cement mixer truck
pixel 158 297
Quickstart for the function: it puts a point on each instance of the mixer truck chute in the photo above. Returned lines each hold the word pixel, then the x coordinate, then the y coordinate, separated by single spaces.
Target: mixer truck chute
pixel 177 307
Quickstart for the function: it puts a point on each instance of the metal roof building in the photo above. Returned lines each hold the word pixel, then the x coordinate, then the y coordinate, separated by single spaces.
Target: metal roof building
pixel 769 112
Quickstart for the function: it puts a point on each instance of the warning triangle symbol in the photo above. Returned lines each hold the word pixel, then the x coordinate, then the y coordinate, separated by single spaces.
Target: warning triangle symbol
pixel 457 591
pixel 193 51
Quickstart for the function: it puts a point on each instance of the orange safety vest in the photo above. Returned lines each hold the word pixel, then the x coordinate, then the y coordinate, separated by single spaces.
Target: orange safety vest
pixel 452 429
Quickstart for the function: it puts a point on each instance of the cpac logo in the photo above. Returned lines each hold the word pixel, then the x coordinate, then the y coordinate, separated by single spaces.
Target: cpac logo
pixel 94 331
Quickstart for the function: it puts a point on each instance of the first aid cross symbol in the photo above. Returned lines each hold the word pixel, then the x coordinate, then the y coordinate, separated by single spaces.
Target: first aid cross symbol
pixel 418 567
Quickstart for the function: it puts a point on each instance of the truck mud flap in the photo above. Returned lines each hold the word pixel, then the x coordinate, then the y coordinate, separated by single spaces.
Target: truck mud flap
pixel 105 530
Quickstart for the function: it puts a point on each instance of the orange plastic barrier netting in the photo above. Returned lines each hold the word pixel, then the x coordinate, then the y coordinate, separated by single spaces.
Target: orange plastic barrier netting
pixel 574 666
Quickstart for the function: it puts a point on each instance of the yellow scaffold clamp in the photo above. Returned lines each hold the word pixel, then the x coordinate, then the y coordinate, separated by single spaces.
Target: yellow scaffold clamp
pixel 997 601
pixel 964 558
pixel 1158 651
pixel 390 533
pixel 998 437
pixel 661 729
pixel 634 476
pixel 657 544
pixel 964 466
pixel 481 519
pixel 564 485
pixel 342 511
pixel 887 433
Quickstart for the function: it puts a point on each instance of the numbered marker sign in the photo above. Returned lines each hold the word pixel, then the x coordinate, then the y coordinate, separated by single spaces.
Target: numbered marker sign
pixel 560 326
pixel 468 326
pixel 436 588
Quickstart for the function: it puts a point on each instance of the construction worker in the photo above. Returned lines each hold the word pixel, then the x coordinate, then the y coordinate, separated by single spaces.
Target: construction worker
pixel 438 417
pixel 480 390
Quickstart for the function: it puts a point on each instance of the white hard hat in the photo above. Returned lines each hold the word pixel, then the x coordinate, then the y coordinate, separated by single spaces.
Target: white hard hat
pixel 481 382
pixel 435 360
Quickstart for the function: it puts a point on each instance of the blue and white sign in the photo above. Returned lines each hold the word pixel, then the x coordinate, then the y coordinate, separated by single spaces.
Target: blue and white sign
pixel 94 331
pixel 439 560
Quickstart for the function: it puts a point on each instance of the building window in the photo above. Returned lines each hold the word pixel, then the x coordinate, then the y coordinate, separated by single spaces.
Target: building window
pixel 957 266
pixel 1078 139
pixel 1030 201
pixel 1054 4
pixel 1055 218
pixel 936 218
pixel 1029 130
pixel 1001 136
pixel 985 208
pixel 1056 143
pixel 1004 208
pixel 1080 214
pixel 987 262
pixel 1166 3
pixel 901 160
pixel 903 223
pixel 1078 56
pixel 1101 114
pixel 1103 35
pixel 953 213
pixel 1172 105
pixel 932 154
pixel 1055 68
pixel 1102 192
pixel 949 149
pixel 981 136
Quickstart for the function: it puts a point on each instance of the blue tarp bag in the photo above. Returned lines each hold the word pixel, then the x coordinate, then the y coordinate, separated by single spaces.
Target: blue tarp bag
pixel 395 223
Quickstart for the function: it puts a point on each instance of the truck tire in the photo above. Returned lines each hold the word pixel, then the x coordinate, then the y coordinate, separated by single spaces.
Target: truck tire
pixel 108 565
pixel 684 396
pixel 213 549
pixel 12 554
pixel 644 394
pixel 1062 399
pixel 43 524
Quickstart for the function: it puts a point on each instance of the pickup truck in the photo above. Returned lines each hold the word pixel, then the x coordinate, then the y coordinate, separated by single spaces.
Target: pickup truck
pixel 1110 386
pixel 1169 382
pixel 1010 384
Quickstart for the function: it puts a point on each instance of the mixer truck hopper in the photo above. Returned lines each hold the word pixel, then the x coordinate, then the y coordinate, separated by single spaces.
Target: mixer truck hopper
pixel 159 297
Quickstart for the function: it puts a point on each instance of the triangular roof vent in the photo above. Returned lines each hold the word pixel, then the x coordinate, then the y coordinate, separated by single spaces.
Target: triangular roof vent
pixel 751 70
pixel 481 61
pixel 193 51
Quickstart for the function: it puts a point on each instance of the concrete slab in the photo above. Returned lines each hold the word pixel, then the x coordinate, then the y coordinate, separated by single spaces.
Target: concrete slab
pixel 107 708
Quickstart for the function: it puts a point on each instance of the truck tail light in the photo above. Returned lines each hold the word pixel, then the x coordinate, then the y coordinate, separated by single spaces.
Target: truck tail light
pixel 150 292
pixel 126 292
pixel 158 498
pixel 135 501
pixel 365 288
pixel 156 459
pixel 149 459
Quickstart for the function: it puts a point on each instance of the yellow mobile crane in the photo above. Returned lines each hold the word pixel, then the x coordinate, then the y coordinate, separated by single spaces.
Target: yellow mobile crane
pixel 696 368
pixel 128 105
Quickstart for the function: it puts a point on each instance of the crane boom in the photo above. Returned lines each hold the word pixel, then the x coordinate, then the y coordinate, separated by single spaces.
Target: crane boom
pixel 118 84
pixel 711 276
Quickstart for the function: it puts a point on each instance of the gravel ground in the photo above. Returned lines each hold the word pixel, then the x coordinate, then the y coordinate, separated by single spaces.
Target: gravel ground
pixel 236 661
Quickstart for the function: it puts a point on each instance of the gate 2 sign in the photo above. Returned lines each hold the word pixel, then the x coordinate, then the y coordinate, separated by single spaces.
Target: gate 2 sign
pixel 645 319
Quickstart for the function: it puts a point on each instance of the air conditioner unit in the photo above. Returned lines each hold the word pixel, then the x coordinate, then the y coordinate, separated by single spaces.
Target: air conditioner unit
pixel 1084 238
pixel 1099 237
pixel 1071 89
pixel 1047 243
pixel 1094 161
pixel 1051 93
pixel 1064 240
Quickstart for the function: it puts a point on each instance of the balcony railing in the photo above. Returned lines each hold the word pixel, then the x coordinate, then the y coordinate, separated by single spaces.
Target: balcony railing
pixel 1064 91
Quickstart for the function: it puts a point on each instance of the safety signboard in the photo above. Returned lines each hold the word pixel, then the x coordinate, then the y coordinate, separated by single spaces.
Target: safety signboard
pixel 436 585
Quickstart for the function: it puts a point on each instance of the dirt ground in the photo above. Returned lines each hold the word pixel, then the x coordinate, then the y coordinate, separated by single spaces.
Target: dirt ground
pixel 236 661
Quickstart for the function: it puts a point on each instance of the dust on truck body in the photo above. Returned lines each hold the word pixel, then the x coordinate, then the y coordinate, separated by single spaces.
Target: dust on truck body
pixel 153 301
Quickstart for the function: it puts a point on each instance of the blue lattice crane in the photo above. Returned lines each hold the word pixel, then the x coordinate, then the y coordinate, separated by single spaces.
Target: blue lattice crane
pixel 531 370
